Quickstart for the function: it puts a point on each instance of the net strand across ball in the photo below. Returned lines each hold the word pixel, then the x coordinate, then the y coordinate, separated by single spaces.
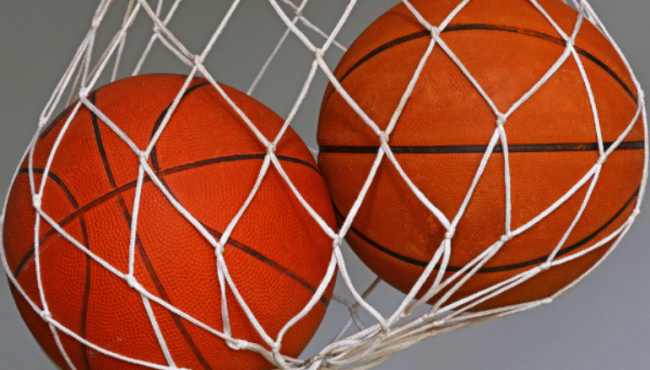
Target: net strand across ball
pixel 372 345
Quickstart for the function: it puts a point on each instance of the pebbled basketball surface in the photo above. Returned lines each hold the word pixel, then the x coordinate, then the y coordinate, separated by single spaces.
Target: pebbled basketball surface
pixel 209 161
pixel 439 140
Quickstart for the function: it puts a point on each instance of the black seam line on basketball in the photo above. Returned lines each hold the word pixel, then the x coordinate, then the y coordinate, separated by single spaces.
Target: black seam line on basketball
pixel 486 270
pixel 55 122
pixel 110 195
pixel 233 158
pixel 100 143
pixel 250 251
pixel 106 197
pixel 87 288
pixel 179 323
pixel 140 246
pixel 57 180
pixel 253 253
pixel 84 231
pixel 480 149
pixel 487 27
pixel 231 241
pixel 154 151
pixel 557 40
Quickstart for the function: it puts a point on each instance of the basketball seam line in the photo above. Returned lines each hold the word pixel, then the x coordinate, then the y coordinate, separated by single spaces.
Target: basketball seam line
pixel 250 251
pixel 55 122
pixel 84 232
pixel 481 149
pixel 161 117
pixel 253 253
pixel 128 186
pixel 141 249
pixel 267 261
pixel 485 27
pixel 485 270
pixel 67 110
pixel 178 169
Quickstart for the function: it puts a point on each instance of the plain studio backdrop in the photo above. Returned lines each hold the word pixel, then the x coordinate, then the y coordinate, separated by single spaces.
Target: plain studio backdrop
pixel 600 325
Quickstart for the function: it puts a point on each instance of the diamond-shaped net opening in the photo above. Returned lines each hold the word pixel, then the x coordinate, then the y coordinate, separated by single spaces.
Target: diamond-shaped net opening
pixel 358 345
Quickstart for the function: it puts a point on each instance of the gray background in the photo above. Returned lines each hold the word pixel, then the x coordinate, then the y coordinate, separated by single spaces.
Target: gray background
pixel 600 325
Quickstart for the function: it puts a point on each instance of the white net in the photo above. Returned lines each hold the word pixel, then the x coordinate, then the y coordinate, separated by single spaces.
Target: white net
pixel 370 344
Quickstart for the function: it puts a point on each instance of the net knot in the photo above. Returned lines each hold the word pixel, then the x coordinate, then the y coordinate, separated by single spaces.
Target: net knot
pixel 298 13
pixel 636 213
pixel 96 23
pixel 506 238
pixel 42 122
pixel 337 241
pixel 641 94
pixel 46 316
pixel 37 201
pixel 157 29
pixel 132 282
pixel 545 266
pixel 501 119
pixel 84 92
pixel 450 233
pixel 198 60
pixel 218 250
pixel 271 148
pixel 235 344
pixel 384 138
pixel 435 31
pixel 319 53
pixel 602 159
pixel 144 156
pixel 569 43
pixel 276 347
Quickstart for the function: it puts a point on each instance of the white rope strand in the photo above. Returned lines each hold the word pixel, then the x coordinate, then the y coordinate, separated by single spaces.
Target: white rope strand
pixel 134 220
pixel 219 30
pixel 120 50
pixel 585 202
pixel 156 34
pixel 159 335
pixel 354 316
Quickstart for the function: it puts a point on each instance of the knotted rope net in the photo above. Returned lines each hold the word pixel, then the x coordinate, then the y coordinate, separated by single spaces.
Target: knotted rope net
pixel 370 345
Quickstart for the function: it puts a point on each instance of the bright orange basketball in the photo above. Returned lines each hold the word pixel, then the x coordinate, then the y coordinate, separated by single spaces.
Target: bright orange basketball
pixel 440 139
pixel 209 160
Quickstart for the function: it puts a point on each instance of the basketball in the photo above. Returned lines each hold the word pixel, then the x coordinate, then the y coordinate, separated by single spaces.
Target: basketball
pixel 447 126
pixel 208 160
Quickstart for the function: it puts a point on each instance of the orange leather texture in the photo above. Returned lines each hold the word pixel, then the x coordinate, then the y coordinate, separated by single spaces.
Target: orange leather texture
pixel 209 160
pixel 507 45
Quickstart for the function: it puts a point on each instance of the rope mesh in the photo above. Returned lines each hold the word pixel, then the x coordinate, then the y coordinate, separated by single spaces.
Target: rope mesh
pixel 368 346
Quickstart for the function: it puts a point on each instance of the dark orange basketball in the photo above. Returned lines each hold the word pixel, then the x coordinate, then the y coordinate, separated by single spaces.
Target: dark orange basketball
pixel 445 128
pixel 209 160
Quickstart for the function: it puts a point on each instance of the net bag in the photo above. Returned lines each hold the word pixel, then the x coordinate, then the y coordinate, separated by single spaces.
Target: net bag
pixel 437 298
